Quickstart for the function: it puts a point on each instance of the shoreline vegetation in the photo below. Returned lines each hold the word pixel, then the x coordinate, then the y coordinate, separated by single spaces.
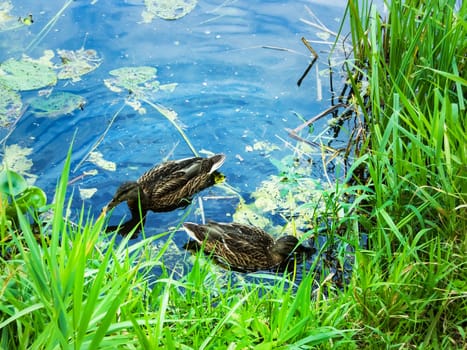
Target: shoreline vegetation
pixel 72 286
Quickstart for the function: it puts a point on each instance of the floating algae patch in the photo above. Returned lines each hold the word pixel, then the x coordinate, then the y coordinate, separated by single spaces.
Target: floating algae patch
pixel 87 193
pixel 292 194
pixel 140 83
pixel 97 158
pixel 263 147
pixel 167 9
pixel 74 64
pixel 10 106
pixel 58 103
pixel 16 158
pixel 133 79
pixel 26 74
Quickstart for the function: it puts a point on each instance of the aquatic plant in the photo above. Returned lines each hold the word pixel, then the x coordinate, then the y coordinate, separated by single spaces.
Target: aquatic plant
pixel 10 106
pixel 167 9
pixel 56 104
pixel 141 85
pixel 17 198
pixel 408 196
pixel 25 74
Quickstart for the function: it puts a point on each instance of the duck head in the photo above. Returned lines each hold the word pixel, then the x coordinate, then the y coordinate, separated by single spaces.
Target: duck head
pixel 285 245
pixel 129 192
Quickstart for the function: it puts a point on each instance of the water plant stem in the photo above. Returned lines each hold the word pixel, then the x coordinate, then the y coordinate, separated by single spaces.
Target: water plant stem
pixel 166 113
pixel 100 139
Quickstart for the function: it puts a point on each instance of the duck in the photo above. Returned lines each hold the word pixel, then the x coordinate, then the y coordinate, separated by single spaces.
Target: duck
pixel 163 188
pixel 241 247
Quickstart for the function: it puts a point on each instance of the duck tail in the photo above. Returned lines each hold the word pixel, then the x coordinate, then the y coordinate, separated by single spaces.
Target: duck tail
pixel 194 231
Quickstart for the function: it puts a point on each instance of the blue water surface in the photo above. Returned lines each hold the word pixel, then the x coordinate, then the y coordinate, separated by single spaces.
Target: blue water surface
pixel 236 64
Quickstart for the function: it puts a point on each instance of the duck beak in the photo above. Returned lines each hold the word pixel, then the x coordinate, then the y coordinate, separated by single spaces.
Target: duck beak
pixel 103 212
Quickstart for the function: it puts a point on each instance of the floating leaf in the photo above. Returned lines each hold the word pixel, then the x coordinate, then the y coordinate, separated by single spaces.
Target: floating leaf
pixel 167 9
pixel 58 103
pixel 86 193
pixel 26 75
pixel 32 197
pixel 294 193
pixel 98 159
pixel 250 215
pixel 17 182
pixel 74 64
pixel 139 82
pixel 262 146
pixel 10 106
pixel 45 59
pixel 131 78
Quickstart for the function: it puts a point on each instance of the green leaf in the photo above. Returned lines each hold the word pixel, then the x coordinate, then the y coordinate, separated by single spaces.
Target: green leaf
pixel 10 106
pixel 167 9
pixel 32 197
pixel 26 75
pixel 77 63
pixel 58 103
pixel 132 78
pixel 17 182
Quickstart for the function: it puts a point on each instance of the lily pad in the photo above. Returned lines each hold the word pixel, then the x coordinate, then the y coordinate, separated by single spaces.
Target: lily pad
pixel 45 59
pixel 132 78
pixel 10 106
pixel 58 103
pixel 26 75
pixel 139 82
pixel 74 64
pixel 167 9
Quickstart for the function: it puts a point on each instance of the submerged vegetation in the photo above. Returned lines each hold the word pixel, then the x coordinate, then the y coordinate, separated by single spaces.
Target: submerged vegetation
pixel 405 192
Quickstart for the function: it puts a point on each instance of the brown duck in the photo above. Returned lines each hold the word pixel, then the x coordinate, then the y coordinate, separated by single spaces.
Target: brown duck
pixel 241 247
pixel 165 187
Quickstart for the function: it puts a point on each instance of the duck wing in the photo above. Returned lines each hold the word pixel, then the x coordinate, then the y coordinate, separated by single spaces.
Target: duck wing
pixel 171 184
pixel 163 171
pixel 242 247
pixel 250 235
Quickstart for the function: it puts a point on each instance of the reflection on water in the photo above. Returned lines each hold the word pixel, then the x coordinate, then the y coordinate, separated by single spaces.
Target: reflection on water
pixel 231 93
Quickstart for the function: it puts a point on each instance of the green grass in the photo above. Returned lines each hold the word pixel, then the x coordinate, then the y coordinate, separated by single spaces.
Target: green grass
pixel 77 288
pixel 411 285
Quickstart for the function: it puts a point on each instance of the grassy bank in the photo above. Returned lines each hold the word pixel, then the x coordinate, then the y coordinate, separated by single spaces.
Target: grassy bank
pixel 410 286
pixel 72 286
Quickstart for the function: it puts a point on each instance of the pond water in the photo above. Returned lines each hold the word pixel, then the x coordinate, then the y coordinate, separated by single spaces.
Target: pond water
pixel 236 66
